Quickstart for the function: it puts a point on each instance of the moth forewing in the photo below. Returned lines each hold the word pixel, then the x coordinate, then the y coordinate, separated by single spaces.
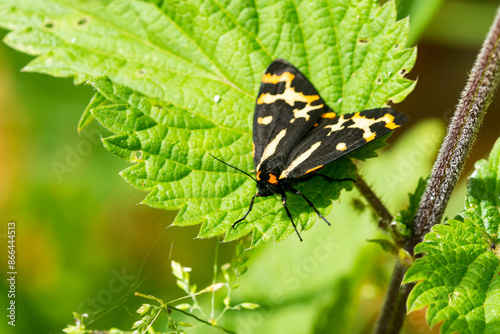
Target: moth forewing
pixel 287 107
pixel 336 137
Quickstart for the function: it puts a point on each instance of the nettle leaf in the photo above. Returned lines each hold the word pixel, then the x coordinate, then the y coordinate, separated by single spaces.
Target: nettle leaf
pixel 182 79
pixel 483 193
pixel 459 277
pixel 404 219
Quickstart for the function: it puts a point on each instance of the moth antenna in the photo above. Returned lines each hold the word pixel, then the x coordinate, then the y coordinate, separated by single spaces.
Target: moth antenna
pixel 239 170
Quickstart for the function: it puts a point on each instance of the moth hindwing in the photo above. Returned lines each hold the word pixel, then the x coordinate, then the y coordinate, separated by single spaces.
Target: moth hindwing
pixel 295 133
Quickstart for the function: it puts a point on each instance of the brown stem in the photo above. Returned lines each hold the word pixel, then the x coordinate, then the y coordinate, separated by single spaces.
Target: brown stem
pixel 459 139
pixel 461 135
pixel 385 217
pixel 393 313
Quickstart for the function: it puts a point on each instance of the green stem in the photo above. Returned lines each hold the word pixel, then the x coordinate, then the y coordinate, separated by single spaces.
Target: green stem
pixel 214 281
pixel 198 319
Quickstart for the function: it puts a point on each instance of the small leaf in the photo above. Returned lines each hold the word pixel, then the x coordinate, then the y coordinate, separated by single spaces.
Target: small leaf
pixel 386 245
pixel 143 309
pixel 183 306
pixel 183 286
pixel 249 306
pixel 184 324
pixel 404 219
pixel 87 117
pixel 177 269
pixel 138 323
pixel 213 287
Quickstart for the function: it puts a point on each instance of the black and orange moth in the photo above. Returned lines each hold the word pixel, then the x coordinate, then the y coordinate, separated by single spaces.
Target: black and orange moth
pixel 295 134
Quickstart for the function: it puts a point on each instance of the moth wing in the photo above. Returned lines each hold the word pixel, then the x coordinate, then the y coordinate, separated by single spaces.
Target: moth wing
pixel 338 136
pixel 287 107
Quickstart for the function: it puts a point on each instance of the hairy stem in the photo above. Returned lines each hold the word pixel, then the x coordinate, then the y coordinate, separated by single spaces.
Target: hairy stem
pixel 461 134
pixel 456 146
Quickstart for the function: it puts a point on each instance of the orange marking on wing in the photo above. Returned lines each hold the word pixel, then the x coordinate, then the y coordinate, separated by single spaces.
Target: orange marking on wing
pixel 328 115
pixel 313 169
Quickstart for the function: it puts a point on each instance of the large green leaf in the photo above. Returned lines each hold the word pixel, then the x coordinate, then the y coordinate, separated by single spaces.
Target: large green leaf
pixel 182 79
pixel 459 277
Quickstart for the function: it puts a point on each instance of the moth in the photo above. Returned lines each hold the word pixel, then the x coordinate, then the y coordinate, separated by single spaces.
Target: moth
pixel 295 134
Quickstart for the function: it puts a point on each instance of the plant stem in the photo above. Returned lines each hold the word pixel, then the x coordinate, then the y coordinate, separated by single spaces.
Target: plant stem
pixel 393 313
pixel 385 217
pixel 200 320
pixel 216 261
pixel 456 146
pixel 461 134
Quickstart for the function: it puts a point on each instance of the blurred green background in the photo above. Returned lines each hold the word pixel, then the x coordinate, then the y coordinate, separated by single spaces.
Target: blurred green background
pixel 84 244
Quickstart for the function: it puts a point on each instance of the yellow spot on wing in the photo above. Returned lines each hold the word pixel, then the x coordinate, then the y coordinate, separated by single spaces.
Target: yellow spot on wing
pixel 300 159
pixel 265 120
pixel 341 147
pixel 290 96
pixel 389 120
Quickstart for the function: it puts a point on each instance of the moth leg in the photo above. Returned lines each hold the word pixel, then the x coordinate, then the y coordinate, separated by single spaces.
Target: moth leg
pixel 283 201
pixel 298 192
pixel 246 214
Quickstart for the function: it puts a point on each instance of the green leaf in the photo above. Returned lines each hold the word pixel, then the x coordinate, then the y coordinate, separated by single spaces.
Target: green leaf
pixel 404 219
pixel 386 245
pixel 182 81
pixel 459 277
pixel 483 193
pixel 87 117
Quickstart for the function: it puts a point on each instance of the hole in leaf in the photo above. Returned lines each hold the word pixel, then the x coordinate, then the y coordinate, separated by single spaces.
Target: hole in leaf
pixel 363 41
pixel 402 72
pixel 138 155
pixel 378 81
pixel 49 25
pixel 396 46
pixel 142 72
pixel 83 21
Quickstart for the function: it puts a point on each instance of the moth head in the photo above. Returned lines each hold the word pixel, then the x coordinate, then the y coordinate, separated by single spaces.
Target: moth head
pixel 264 188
